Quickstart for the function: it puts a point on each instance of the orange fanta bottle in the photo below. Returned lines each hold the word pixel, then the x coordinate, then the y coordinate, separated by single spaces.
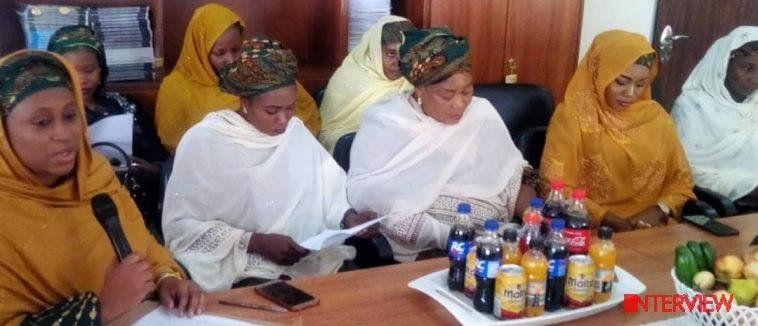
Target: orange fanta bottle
pixel 511 251
pixel 603 253
pixel 534 263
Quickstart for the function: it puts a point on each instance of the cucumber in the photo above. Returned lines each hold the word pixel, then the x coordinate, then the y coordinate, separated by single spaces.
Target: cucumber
pixel 709 254
pixel 697 252
pixel 685 265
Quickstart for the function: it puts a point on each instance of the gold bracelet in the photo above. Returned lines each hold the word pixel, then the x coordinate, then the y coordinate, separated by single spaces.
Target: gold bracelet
pixel 167 275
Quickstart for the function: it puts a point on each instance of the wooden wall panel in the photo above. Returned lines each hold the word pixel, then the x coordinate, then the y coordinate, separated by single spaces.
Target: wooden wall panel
pixel 483 22
pixel 543 38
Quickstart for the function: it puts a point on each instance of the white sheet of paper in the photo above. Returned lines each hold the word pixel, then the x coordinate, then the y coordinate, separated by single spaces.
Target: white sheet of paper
pixel 116 129
pixel 161 317
pixel 330 238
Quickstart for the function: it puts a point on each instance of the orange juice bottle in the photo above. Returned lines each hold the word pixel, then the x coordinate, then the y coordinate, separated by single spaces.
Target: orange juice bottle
pixel 511 252
pixel 603 253
pixel 534 263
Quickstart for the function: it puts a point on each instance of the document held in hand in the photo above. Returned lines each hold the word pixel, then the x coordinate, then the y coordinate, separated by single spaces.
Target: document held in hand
pixel 330 238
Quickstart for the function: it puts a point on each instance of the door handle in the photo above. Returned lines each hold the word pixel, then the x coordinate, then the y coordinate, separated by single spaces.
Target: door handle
pixel 667 43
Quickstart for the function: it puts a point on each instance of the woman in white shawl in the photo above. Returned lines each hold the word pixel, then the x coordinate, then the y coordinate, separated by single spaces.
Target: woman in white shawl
pixel 249 185
pixel 368 74
pixel 717 117
pixel 419 154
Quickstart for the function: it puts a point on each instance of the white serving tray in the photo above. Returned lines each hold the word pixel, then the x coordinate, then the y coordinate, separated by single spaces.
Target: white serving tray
pixel 435 286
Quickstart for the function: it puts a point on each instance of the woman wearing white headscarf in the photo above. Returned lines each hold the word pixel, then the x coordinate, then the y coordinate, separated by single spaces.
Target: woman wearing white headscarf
pixel 250 184
pixel 717 116
pixel 369 74
pixel 420 153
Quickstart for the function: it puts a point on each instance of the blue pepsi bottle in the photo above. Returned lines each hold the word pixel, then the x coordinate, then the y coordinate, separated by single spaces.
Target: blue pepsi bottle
pixel 488 257
pixel 556 251
pixel 458 243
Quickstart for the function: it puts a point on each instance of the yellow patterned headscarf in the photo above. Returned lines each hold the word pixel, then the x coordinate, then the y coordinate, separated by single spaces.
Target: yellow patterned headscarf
pixel 627 160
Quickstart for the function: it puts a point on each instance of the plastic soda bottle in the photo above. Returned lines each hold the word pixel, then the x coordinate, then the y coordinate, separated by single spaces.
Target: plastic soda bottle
pixel 577 231
pixel 557 255
pixel 511 251
pixel 603 253
pixel 555 205
pixel 534 263
pixel 531 230
pixel 459 240
pixel 488 247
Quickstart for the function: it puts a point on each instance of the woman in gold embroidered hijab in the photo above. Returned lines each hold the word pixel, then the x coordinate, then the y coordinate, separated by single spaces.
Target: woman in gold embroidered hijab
pixel 56 261
pixel 191 90
pixel 612 139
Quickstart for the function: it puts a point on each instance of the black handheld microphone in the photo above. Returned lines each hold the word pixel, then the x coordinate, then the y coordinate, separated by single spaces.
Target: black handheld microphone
pixel 106 213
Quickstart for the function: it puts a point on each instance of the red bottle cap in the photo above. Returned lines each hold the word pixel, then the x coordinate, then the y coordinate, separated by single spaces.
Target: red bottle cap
pixel 579 193
pixel 556 184
pixel 532 218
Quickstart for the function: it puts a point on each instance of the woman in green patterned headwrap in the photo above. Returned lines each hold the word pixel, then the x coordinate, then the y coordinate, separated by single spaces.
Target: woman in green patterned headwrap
pixel 420 154
pixel 79 45
pixel 250 185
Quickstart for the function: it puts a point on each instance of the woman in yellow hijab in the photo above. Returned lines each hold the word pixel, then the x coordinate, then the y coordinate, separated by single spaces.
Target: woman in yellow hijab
pixel 612 139
pixel 213 39
pixel 56 261
pixel 369 74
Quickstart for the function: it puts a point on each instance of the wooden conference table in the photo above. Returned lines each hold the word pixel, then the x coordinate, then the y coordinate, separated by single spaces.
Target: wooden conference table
pixel 381 295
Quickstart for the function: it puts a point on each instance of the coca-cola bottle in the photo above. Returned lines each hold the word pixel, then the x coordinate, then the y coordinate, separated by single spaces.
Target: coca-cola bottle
pixel 555 205
pixel 577 232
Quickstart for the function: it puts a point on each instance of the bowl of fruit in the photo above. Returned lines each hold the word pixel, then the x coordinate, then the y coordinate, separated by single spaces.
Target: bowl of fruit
pixel 721 290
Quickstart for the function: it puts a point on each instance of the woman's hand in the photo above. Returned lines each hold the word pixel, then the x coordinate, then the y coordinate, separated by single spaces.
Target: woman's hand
pixel 616 223
pixel 525 195
pixel 126 284
pixel 353 218
pixel 183 295
pixel 278 248
pixel 651 217
pixel 147 167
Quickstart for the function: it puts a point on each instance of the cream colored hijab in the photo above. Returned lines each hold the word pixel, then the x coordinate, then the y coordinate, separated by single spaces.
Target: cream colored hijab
pixel 358 83
pixel 720 136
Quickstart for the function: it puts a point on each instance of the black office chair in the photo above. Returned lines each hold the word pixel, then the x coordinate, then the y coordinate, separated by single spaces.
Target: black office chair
pixel 165 174
pixel 319 96
pixel 720 203
pixel 342 150
pixel 526 110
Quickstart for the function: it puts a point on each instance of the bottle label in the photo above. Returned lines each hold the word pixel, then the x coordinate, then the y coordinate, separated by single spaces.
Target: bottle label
pixel 535 294
pixel 486 268
pixel 458 250
pixel 556 267
pixel 604 280
pixel 578 240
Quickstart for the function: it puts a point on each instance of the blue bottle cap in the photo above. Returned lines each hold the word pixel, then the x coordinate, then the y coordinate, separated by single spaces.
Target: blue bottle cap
pixel 490 225
pixel 536 202
pixel 557 224
pixel 464 208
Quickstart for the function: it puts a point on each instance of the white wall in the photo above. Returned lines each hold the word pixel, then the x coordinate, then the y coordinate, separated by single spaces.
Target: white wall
pixel 601 15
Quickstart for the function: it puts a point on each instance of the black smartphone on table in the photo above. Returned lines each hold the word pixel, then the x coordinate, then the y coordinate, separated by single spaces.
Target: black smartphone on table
pixel 286 295
pixel 711 225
